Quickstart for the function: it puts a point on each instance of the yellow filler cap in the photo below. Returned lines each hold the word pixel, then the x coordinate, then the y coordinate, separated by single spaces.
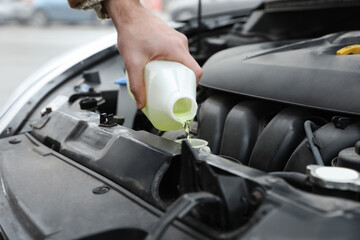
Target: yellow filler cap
pixel 352 49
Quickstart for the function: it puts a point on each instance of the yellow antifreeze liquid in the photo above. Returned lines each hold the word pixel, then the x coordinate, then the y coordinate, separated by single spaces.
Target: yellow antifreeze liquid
pixel 181 112
pixel 187 130
pixel 170 94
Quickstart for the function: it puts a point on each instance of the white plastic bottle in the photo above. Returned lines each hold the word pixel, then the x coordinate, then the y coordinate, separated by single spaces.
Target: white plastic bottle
pixel 170 94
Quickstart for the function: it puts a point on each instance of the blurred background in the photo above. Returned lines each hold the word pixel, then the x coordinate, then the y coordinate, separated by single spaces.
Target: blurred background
pixel 33 32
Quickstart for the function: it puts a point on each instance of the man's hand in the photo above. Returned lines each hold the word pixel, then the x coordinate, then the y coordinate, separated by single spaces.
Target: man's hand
pixel 143 37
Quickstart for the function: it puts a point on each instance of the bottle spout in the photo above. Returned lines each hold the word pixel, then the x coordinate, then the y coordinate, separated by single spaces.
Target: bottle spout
pixel 184 109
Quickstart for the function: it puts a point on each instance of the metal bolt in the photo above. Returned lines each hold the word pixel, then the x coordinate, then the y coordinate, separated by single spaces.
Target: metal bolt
pixel 101 190
pixel 257 197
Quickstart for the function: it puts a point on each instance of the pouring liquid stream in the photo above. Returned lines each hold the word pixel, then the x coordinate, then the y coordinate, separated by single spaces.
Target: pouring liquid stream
pixel 185 121
pixel 187 130
pixel 181 112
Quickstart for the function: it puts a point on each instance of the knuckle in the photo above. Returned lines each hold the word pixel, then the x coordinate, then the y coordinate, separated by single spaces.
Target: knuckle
pixel 184 39
pixel 179 43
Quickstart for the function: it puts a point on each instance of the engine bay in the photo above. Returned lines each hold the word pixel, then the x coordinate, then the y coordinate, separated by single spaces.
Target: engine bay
pixel 259 148
pixel 280 118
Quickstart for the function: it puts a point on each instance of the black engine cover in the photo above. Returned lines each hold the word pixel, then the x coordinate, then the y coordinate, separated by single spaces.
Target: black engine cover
pixel 306 73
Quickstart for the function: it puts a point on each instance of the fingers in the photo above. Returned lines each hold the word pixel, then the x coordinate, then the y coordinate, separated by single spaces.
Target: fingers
pixel 184 57
pixel 181 54
pixel 137 85
pixel 190 62
pixel 185 41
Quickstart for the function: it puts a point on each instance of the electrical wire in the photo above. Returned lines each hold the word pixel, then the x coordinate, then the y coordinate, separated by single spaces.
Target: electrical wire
pixel 309 127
